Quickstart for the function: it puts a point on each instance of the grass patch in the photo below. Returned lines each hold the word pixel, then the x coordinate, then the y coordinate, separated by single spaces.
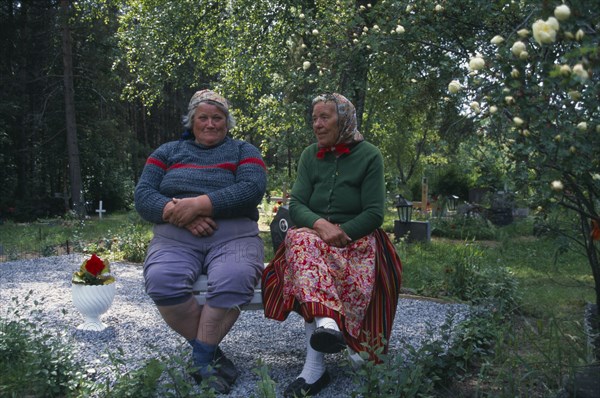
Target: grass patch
pixel 539 344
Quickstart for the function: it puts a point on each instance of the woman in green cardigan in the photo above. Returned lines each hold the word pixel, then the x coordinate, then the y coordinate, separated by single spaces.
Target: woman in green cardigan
pixel 336 268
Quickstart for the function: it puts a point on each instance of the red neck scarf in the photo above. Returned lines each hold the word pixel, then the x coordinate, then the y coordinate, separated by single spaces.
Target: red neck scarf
pixel 339 150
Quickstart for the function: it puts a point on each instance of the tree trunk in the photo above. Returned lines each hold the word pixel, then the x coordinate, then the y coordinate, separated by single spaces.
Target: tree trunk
pixel 71 126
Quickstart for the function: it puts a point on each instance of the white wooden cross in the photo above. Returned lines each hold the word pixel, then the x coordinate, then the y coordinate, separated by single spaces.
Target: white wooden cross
pixel 100 210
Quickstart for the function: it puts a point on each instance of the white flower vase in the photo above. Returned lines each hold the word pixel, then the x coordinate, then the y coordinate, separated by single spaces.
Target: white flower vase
pixel 93 301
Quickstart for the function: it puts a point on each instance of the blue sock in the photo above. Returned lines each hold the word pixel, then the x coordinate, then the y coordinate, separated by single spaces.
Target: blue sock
pixel 202 355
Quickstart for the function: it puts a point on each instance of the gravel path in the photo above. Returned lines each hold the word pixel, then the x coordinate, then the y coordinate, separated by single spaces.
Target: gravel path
pixel 135 326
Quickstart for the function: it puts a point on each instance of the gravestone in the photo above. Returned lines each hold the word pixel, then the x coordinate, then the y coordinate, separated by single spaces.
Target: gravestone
pixel 413 231
pixel 501 210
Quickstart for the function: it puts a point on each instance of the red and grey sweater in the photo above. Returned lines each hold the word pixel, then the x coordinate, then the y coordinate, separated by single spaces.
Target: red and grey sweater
pixel 232 174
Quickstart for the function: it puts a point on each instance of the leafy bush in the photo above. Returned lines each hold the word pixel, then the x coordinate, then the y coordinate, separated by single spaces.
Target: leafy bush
pixel 34 362
pixel 448 355
pixel 133 242
pixel 464 274
pixel 468 278
pixel 463 227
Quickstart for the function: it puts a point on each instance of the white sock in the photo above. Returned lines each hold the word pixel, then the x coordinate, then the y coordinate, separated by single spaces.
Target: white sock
pixel 327 323
pixel 314 365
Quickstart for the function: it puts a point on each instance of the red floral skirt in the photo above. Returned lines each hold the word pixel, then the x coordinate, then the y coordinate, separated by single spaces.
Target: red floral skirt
pixel 358 286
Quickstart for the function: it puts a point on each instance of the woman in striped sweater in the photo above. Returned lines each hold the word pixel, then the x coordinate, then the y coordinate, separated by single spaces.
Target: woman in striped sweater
pixel 202 192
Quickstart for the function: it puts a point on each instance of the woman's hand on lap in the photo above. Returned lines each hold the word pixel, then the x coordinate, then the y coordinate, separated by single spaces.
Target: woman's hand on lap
pixel 331 233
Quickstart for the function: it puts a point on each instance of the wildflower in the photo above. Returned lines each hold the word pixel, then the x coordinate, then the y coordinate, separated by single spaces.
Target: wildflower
pixel 475 107
pixel 582 126
pixel 562 12
pixel 497 40
pixel 579 35
pixel 580 71
pixel 544 32
pixel 565 70
pixel 476 63
pixel 400 29
pixel 454 87
pixel 517 48
pixel 493 109
pixel 306 65
pixel 556 185
pixel 523 33
pixel 518 121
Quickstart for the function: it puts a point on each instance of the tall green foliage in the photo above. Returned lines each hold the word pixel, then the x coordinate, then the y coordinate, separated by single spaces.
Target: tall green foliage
pixel 33 157
pixel 537 95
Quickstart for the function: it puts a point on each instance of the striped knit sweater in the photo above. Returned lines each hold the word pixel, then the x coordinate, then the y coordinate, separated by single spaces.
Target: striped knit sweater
pixel 232 174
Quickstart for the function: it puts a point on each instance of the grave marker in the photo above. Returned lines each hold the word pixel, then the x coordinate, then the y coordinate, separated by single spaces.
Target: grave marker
pixel 100 210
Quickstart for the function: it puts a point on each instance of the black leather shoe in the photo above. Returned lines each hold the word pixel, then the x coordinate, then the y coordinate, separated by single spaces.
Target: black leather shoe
pixel 215 381
pixel 327 340
pixel 300 388
pixel 225 366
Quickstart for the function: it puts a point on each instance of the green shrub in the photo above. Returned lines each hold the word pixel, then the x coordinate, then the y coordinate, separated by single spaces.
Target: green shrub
pixel 462 227
pixel 469 278
pixel 449 354
pixel 460 271
pixel 134 241
pixel 141 382
pixel 266 386
pixel 35 363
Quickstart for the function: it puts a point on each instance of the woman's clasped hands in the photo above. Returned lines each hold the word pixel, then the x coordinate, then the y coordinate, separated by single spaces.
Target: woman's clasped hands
pixel 189 213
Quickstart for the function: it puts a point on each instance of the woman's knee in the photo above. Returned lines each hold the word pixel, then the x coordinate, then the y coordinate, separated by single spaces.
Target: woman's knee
pixel 166 287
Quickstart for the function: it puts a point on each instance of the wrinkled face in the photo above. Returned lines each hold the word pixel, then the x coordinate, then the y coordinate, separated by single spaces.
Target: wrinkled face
pixel 325 123
pixel 210 124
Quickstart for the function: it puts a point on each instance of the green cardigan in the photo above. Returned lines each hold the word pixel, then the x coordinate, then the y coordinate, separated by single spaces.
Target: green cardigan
pixel 348 190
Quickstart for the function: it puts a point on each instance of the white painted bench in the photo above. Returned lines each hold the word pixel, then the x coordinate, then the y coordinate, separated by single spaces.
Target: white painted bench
pixel 201 285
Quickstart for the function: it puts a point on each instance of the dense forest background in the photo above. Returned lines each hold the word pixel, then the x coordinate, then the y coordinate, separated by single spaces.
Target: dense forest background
pixel 134 64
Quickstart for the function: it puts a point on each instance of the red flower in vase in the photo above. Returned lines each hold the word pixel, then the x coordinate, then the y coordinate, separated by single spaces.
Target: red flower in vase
pixel 93 271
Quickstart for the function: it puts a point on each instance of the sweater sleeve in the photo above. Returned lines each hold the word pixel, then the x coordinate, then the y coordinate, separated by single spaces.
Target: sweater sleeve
pixel 149 202
pixel 372 196
pixel 250 184
pixel 302 190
